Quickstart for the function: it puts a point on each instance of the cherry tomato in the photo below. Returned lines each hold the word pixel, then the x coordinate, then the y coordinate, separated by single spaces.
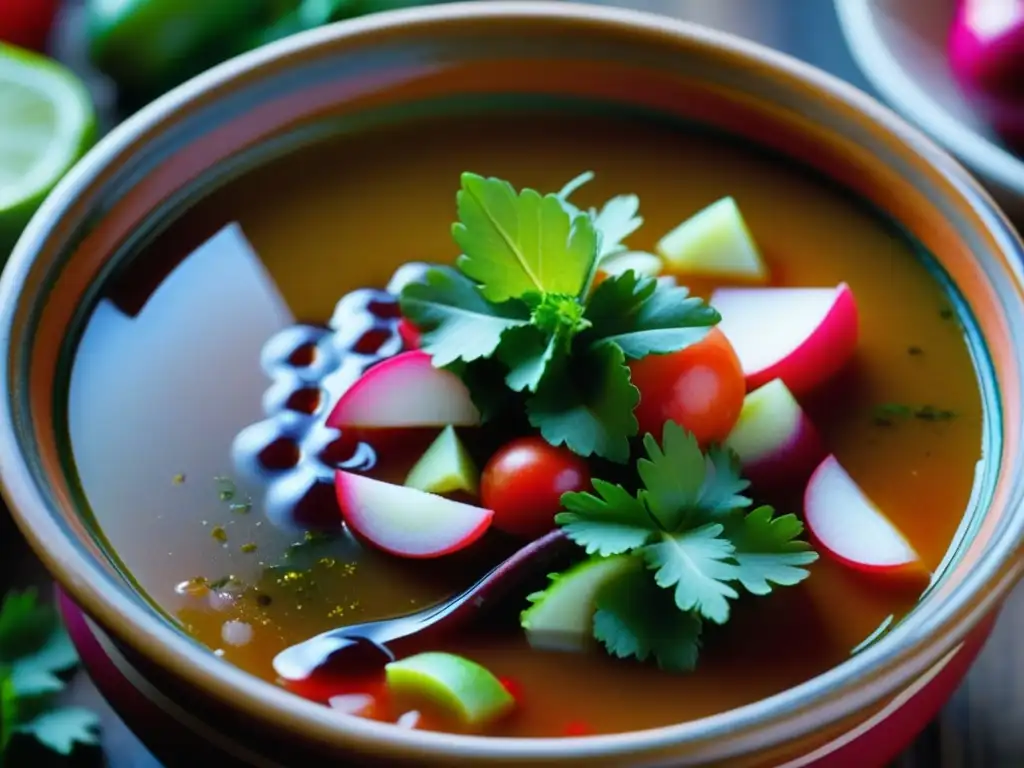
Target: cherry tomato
pixel 524 481
pixel 701 388
pixel 27 23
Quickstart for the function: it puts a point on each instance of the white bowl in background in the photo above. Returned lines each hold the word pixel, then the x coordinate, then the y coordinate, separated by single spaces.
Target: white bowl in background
pixel 901 47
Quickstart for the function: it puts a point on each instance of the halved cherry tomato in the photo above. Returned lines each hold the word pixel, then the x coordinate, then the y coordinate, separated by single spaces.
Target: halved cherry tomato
pixel 701 388
pixel 524 481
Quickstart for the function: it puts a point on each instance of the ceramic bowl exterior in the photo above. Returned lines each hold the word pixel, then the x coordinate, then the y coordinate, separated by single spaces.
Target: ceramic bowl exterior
pixel 174 693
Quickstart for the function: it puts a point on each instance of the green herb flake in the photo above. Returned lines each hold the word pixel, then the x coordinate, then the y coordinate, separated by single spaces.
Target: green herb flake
pixel 701 543
pixel 226 488
pixel 931 413
pixel 915 351
pixel 225 581
pixel 248 547
pixel 178 479
pixel 219 533
pixel 888 414
pixel 240 507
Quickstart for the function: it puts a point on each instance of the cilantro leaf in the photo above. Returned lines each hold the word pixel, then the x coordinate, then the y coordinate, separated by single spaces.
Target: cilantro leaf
pixel 722 491
pixel 34 649
pixel 608 523
pixel 769 552
pixel 527 352
pixel 682 486
pixel 60 729
pixel 531 350
pixel 673 475
pixel 485 380
pixel 518 243
pixel 571 186
pixel 616 221
pixel 457 323
pixel 589 408
pixel 36 673
pixel 697 564
pixel 645 317
pixel 8 711
pixel 24 624
pixel 635 618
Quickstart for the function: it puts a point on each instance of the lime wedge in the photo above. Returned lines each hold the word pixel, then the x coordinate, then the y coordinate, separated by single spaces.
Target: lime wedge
pixel 458 687
pixel 47 122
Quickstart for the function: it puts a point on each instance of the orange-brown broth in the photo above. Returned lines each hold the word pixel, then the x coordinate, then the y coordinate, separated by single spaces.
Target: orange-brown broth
pixel 336 217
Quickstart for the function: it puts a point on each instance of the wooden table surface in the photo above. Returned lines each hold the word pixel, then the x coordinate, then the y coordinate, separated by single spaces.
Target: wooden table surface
pixel 982 727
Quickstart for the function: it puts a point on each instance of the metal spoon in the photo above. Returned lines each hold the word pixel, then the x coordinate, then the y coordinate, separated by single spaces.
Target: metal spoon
pixel 361 648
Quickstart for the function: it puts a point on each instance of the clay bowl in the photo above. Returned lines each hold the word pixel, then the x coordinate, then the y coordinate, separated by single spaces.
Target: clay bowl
pixel 184 701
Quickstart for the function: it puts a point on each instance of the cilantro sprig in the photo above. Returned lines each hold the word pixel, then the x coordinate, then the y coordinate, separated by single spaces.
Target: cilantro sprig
pixel 519 313
pixel 700 542
pixel 35 654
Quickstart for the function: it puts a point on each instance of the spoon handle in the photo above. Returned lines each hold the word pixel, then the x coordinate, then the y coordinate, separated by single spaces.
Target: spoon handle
pixel 358 646
pixel 457 612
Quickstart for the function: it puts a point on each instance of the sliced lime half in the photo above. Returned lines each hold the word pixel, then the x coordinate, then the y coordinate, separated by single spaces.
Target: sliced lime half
pixel 47 122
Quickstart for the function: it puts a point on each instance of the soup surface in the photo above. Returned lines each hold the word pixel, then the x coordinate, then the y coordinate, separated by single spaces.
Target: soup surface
pixel 195 341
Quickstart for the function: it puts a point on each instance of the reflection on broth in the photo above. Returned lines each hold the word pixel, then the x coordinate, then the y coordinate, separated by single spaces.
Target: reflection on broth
pixel 202 384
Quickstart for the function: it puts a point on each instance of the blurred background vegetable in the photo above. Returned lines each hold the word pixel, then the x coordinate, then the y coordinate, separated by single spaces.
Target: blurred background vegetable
pixel 47 122
pixel 27 23
pixel 148 46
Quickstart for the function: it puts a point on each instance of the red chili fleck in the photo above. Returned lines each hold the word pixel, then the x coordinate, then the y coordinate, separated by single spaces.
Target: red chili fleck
pixel 410 334
pixel 578 728
pixel 514 688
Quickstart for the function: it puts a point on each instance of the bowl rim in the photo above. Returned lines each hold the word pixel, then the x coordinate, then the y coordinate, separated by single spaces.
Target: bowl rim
pixel 858 21
pixel 806 708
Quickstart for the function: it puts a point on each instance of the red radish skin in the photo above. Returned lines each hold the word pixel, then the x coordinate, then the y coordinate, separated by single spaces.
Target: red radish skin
pixel 844 523
pixel 986 46
pixel 803 336
pixel 407 522
pixel 986 55
pixel 777 443
pixel 405 391
pixel 409 334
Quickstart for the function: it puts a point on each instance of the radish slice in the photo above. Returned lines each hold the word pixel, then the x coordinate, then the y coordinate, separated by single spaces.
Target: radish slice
pixel 776 442
pixel 848 526
pixel 800 335
pixel 405 391
pixel 405 521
